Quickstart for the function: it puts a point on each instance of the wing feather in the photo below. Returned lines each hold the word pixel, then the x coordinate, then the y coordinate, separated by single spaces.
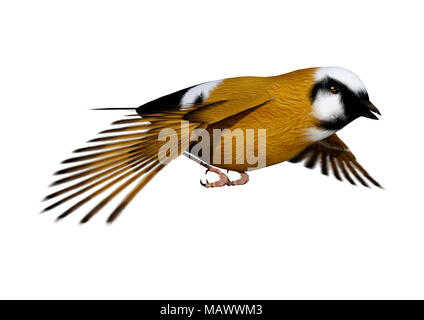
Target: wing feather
pixel 334 154
pixel 137 174
pixel 324 163
pixel 355 173
pixel 311 163
pixel 366 174
pixel 344 171
pixel 124 159
pixel 133 193
pixel 335 169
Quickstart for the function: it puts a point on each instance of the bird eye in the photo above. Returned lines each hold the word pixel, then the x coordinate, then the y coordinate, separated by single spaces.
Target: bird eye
pixel 334 90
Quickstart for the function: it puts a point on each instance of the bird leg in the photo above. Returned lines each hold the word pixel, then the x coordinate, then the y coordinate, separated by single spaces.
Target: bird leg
pixel 244 178
pixel 223 179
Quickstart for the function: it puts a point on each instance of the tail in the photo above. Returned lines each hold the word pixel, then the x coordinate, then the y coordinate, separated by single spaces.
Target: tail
pixel 128 155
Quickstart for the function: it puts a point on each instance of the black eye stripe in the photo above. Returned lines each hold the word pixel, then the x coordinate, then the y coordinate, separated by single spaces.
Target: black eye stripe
pixel 327 83
pixel 351 102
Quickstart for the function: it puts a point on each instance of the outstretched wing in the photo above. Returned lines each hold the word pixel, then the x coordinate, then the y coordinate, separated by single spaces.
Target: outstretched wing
pixel 334 155
pixel 126 156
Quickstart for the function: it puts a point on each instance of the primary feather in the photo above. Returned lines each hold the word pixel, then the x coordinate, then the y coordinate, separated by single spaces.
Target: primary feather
pixel 122 161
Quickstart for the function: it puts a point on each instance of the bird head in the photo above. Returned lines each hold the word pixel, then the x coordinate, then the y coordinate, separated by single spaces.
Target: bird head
pixel 338 97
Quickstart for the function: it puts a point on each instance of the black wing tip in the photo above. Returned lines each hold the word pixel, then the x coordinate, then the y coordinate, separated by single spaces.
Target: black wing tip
pixel 70 160
pixel 325 172
pixel 63 171
pixel 310 165
pixel 126 121
pixel 56 183
pixel 378 185
pixel 79 150
pixel 109 221
pixel 84 220
pixel 339 178
pixel 58 218
pixel 48 197
pixel 114 214
pixel 107 131
pixel 47 208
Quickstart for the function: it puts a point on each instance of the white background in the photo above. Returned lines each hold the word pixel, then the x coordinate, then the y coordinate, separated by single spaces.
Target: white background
pixel 290 233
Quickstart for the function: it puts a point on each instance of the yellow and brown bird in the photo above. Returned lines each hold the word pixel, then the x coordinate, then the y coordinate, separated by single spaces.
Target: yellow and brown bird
pixel 298 113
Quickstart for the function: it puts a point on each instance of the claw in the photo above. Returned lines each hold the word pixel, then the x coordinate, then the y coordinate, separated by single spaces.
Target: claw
pixel 223 179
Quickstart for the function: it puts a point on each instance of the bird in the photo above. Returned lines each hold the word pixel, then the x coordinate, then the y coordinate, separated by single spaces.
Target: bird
pixel 300 113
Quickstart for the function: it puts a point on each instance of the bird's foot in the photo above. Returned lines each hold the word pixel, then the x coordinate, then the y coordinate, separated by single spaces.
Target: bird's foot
pixel 244 178
pixel 223 179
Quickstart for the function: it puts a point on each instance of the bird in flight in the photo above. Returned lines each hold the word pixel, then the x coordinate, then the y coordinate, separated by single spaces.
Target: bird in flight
pixel 299 114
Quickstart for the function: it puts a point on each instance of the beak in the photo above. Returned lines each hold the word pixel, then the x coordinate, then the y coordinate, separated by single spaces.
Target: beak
pixel 369 110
